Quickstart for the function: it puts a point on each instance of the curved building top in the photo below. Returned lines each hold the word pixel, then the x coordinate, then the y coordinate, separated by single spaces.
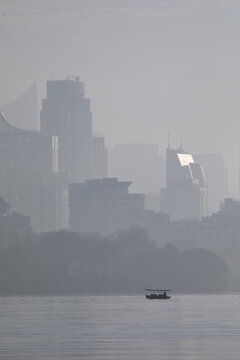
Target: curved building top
pixel 22 112
pixel 10 132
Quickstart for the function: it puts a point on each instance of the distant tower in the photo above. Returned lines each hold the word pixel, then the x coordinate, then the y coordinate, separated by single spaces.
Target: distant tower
pixel 66 114
pixel 185 195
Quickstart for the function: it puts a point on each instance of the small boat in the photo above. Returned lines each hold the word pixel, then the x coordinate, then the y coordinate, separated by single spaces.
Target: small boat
pixel 157 294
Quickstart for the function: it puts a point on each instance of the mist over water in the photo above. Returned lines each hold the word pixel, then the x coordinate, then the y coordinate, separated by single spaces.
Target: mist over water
pixel 120 327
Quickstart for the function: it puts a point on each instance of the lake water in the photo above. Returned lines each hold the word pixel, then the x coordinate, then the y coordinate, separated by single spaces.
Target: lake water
pixel 120 327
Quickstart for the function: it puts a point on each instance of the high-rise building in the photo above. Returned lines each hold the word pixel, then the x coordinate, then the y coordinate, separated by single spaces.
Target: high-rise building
pixel 25 158
pixel 185 195
pixel 26 171
pixel 66 114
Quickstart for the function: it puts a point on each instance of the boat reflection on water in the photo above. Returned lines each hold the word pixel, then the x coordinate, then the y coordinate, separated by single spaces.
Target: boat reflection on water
pixel 157 294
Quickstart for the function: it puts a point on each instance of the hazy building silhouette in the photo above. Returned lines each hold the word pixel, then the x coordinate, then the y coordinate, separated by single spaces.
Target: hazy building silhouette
pixel 100 166
pixel 66 114
pixel 13 226
pixel 4 207
pixel 185 195
pixel 219 232
pixel 26 180
pixel 22 112
pixel 104 206
pixel 216 176
pixel 25 158
pixel 142 164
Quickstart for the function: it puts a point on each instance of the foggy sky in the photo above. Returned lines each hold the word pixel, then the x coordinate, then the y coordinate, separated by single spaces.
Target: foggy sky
pixel 150 67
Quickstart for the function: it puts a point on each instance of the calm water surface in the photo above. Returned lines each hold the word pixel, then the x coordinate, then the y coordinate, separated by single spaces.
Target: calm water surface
pixel 120 327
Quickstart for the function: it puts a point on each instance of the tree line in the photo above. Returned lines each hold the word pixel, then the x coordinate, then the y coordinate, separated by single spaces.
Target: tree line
pixel 60 263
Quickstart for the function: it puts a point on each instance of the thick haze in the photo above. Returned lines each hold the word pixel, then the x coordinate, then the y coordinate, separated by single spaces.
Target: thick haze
pixel 150 67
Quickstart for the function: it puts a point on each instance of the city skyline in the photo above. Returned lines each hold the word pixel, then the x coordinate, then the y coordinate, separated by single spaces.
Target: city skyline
pixel 67 102
pixel 151 67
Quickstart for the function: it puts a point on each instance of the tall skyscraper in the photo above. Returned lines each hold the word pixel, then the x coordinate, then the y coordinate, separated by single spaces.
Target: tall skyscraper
pixel 185 195
pixel 66 114
pixel 26 172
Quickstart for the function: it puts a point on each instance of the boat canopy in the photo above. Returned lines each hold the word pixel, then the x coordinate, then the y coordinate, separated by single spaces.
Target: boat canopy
pixel 157 290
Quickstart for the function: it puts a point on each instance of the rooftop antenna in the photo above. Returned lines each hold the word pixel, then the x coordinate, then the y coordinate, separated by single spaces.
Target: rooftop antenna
pixel 181 143
pixel 168 141
pixel 72 77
